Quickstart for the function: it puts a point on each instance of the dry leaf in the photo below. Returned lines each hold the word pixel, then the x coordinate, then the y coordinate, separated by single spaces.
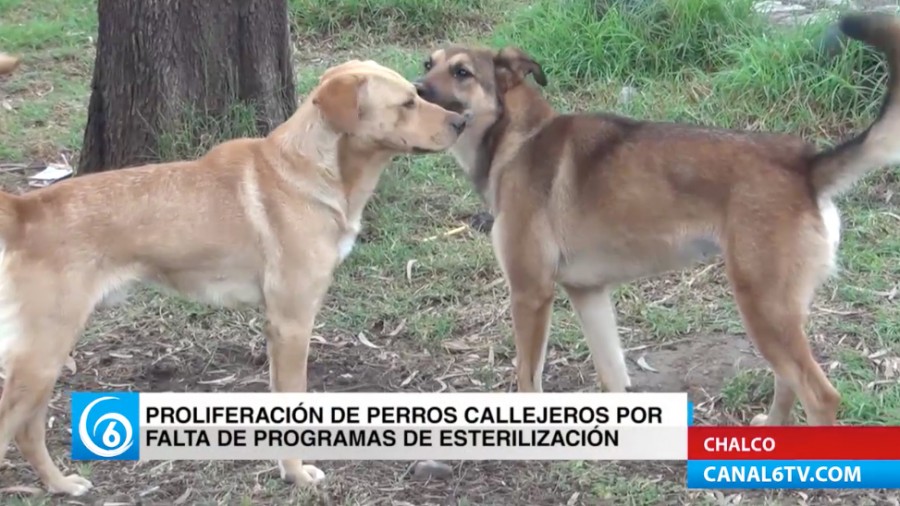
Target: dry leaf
pixel 891 367
pixel 21 489
pixel 362 338
pixel 879 353
pixel 735 499
pixel 397 330
pixel 447 233
pixel 409 378
pixel 220 381
pixel 149 491
pixel 183 497
pixel 642 363
pixel 573 500
pixel 457 345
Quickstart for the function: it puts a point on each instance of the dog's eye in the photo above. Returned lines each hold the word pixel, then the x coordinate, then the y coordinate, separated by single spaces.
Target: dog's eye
pixel 427 64
pixel 462 73
pixel 410 104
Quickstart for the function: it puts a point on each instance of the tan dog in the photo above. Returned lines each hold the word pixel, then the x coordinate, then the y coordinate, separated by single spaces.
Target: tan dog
pixel 8 64
pixel 255 221
pixel 591 201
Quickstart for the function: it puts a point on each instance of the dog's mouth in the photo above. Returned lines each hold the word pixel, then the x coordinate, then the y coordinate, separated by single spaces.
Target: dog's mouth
pixel 454 106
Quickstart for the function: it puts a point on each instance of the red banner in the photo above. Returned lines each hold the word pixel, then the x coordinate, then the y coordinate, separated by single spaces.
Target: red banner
pixel 794 443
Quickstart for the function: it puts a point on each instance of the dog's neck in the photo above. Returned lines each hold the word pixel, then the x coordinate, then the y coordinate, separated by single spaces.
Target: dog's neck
pixel 343 163
pixel 306 134
pixel 493 136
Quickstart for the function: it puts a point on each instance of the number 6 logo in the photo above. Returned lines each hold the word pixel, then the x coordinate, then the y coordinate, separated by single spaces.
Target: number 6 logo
pixel 111 437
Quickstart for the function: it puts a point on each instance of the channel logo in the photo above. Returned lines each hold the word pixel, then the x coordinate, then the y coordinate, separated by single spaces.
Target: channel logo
pixel 105 426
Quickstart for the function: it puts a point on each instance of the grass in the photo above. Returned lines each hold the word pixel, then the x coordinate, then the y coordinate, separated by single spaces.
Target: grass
pixel 387 19
pixel 433 302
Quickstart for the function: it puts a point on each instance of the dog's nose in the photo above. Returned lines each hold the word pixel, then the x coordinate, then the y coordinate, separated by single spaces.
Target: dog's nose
pixel 459 123
pixel 422 90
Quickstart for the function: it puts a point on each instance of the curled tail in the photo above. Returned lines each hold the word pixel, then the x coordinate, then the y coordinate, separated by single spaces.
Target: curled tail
pixel 836 169
pixel 8 63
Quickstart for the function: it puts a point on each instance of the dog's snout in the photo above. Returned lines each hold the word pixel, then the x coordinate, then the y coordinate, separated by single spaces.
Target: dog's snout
pixel 459 123
pixel 423 90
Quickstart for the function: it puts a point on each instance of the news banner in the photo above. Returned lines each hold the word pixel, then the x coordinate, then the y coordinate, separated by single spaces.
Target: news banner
pixel 479 426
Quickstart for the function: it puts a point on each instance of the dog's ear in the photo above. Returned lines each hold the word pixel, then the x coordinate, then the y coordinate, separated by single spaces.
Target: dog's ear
pixel 513 65
pixel 338 100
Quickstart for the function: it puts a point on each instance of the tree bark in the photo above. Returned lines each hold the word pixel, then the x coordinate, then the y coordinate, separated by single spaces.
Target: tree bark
pixel 159 60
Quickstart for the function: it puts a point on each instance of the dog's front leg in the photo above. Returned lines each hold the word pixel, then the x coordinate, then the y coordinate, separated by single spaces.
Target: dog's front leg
pixel 291 314
pixel 288 348
pixel 524 261
pixel 531 308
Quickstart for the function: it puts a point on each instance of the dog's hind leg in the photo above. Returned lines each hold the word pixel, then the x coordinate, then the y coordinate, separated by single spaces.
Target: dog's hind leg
pixel 598 322
pixel 37 344
pixel 31 440
pixel 774 286
pixel 33 371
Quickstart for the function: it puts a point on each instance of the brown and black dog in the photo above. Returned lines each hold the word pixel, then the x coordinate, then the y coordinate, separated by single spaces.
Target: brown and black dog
pixel 590 201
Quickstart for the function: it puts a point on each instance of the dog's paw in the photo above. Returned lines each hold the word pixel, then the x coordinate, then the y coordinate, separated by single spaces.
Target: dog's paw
pixel 72 484
pixel 316 475
pixel 301 474
pixel 759 419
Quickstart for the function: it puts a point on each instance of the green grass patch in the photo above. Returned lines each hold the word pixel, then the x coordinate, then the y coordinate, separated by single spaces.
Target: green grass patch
pixel 736 69
pixel 197 132
pixel 660 37
pixel 384 19
pixel 29 25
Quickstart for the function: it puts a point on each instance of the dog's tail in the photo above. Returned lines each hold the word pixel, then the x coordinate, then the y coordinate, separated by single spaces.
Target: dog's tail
pixel 836 169
pixel 8 63
pixel 9 217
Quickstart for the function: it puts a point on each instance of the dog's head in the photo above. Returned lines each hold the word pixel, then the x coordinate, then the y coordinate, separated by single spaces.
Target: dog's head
pixel 8 63
pixel 376 105
pixel 475 80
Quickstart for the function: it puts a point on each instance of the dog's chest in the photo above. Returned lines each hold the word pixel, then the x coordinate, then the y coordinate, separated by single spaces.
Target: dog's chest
pixel 348 238
pixel 345 245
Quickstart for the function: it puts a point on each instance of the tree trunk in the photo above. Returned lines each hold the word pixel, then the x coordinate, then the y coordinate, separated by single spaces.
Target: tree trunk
pixel 162 64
